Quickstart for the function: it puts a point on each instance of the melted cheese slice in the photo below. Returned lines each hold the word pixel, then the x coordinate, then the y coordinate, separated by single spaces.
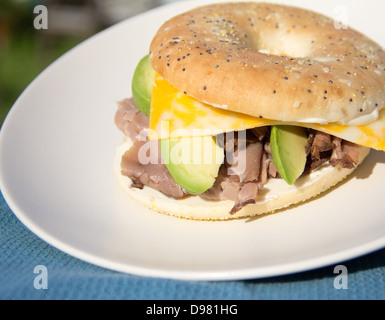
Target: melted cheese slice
pixel 175 114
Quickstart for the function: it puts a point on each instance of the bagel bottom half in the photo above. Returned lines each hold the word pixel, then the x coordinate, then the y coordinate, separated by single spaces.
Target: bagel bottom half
pixel 276 195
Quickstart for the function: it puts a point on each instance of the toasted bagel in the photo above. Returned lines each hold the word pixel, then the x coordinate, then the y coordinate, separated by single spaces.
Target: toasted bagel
pixel 272 61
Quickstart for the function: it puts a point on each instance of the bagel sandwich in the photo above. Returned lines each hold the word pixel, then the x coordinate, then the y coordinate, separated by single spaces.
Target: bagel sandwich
pixel 241 109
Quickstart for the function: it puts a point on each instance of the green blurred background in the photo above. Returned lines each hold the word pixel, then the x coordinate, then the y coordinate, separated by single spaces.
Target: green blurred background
pixel 25 51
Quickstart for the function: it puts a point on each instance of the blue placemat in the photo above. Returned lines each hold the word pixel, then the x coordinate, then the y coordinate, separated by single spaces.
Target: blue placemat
pixel 65 277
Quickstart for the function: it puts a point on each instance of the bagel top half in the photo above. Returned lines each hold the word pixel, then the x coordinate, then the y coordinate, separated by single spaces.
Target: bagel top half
pixel 271 61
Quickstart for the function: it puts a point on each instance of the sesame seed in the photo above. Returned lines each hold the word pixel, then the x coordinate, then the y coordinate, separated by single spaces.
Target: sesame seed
pixel 297 104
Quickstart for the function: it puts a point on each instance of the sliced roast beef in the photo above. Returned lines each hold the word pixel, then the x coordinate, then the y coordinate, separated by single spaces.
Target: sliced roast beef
pixel 245 171
pixel 322 143
pixel 262 133
pixel 345 154
pixel 248 194
pixel 226 187
pixel 229 187
pixel 248 162
pixel 154 175
pixel 149 170
pixel 264 172
pixel 272 169
pixel 130 120
pixel 352 151
pixel 319 150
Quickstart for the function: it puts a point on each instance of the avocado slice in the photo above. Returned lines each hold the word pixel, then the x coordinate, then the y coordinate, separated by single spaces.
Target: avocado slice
pixel 193 162
pixel 288 148
pixel 142 82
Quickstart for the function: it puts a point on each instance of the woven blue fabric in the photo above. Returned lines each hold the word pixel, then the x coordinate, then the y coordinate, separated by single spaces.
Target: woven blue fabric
pixel 69 278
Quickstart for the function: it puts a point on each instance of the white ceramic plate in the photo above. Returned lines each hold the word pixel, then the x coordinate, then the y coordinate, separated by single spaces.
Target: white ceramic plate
pixel 56 155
